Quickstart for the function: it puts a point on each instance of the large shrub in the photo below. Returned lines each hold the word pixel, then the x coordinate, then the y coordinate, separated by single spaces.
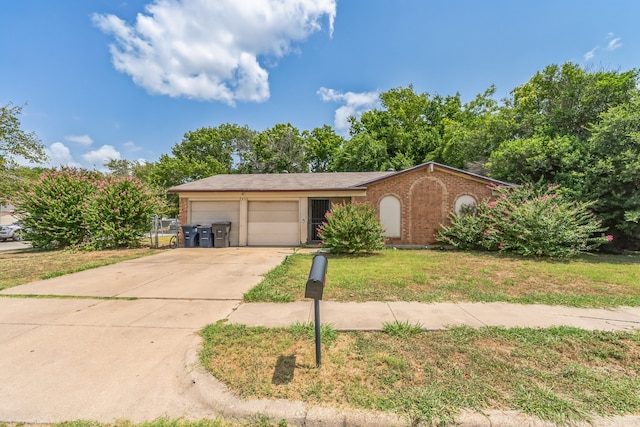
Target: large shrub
pixel 74 207
pixel 352 229
pixel 119 211
pixel 529 222
pixel 54 209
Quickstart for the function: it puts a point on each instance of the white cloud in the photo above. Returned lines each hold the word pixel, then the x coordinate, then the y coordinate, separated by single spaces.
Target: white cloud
pixel 591 54
pixel 97 158
pixel 354 104
pixel 614 44
pixel 80 139
pixel 209 50
pixel 60 155
pixel 132 147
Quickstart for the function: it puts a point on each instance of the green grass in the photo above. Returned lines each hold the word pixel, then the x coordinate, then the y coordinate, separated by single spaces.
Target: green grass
pixel 402 329
pixel 558 374
pixel 439 276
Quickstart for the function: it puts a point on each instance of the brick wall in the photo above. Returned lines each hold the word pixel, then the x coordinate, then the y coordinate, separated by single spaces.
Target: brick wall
pixel 427 195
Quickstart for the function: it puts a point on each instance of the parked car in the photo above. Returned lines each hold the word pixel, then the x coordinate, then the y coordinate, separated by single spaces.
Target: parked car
pixel 11 231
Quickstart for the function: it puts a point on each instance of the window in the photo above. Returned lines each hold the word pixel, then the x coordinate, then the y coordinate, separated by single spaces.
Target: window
pixel 390 216
pixel 463 201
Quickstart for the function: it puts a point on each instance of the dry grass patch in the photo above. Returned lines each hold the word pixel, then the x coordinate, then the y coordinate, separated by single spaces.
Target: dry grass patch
pixel 559 374
pixel 24 266
pixel 438 276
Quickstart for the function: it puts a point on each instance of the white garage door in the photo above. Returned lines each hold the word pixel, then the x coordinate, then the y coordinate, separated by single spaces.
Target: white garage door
pixel 273 224
pixel 208 212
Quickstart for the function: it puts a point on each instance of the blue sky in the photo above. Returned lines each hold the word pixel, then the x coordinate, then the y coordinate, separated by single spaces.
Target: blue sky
pixel 127 79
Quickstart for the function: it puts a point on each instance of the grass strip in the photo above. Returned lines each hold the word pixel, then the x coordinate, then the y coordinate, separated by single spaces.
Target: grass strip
pixel 559 374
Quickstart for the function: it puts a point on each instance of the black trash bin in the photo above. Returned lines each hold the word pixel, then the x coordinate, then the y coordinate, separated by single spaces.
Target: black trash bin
pixel 190 234
pixel 206 238
pixel 221 231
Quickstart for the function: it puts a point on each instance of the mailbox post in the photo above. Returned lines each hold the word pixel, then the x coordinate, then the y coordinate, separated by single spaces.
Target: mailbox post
pixel 314 289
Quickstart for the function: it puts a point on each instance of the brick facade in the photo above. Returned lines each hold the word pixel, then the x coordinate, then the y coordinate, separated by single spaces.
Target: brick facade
pixel 427 195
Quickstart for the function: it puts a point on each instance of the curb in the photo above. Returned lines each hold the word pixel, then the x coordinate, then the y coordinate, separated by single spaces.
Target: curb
pixel 216 395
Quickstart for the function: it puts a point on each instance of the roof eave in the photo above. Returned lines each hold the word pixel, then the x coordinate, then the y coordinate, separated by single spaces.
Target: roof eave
pixel 247 190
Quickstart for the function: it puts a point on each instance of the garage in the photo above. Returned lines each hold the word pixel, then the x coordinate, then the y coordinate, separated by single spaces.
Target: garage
pixel 273 223
pixel 209 212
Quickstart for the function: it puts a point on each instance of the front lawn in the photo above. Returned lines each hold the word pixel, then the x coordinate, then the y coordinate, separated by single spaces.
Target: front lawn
pixel 437 276
pixel 559 374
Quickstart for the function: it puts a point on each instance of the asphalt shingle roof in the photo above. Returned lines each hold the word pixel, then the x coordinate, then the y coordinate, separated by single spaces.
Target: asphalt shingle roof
pixel 308 181
pixel 283 181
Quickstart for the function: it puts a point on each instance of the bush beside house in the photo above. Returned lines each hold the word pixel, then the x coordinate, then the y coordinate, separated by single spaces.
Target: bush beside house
pixel 529 222
pixel 352 228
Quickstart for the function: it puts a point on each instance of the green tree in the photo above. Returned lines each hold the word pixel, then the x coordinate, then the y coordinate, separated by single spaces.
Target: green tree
pixel 129 168
pixel 412 128
pixel 567 99
pixel 321 147
pixel 362 153
pixel 278 149
pixel 201 153
pixel 540 159
pixel 17 178
pixel 612 171
pixel 15 142
pixel 578 129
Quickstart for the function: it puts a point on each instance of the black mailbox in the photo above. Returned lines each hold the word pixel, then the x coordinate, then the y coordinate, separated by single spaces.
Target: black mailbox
pixel 317 276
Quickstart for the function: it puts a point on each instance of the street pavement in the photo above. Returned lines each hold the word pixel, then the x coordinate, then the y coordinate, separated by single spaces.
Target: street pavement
pixel 11 245
pixel 112 359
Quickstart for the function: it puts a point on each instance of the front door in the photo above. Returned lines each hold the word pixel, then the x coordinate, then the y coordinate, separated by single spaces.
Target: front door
pixel 318 208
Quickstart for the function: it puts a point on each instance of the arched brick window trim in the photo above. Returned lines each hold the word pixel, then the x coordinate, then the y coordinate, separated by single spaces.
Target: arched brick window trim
pixel 464 200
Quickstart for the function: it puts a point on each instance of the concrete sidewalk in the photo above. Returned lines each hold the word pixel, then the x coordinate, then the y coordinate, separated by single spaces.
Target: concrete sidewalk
pixel 373 315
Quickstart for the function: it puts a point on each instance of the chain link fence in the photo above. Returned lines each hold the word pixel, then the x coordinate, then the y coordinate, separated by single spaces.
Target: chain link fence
pixel 162 229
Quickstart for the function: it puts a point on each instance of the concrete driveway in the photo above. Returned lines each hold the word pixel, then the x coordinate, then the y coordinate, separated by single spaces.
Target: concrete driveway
pixel 65 359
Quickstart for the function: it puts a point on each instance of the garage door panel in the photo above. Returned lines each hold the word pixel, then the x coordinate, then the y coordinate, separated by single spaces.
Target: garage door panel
pixel 208 212
pixel 273 223
pixel 274 228
pixel 274 216
pixel 273 234
pixel 273 206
